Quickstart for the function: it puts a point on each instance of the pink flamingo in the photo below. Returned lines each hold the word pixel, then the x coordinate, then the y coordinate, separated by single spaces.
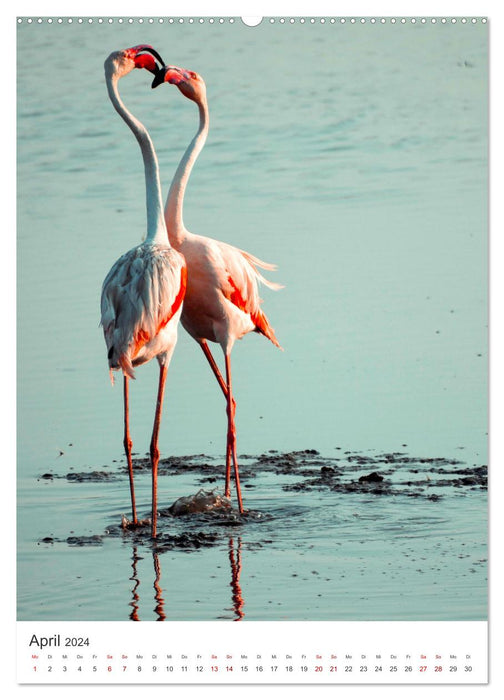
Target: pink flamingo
pixel 142 295
pixel 222 301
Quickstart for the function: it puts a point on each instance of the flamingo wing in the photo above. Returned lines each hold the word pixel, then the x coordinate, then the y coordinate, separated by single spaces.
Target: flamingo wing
pixel 143 290
pixel 239 284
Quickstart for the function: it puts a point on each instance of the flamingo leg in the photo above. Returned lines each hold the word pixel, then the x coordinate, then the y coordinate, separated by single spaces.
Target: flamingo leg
pixel 231 434
pixel 227 488
pixel 128 444
pixel 213 365
pixel 223 386
pixel 154 446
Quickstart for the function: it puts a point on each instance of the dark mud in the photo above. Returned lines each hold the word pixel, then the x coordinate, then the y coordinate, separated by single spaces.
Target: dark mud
pixel 75 541
pixel 80 477
pixel 385 475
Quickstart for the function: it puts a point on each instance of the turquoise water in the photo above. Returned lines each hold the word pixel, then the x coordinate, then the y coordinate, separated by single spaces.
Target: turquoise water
pixel 353 157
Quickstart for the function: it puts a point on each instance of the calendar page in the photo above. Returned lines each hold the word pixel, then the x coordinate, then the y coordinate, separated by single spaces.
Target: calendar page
pixel 308 505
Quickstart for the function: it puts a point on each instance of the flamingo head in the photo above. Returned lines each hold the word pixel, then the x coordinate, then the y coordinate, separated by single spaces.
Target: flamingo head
pixel 188 82
pixel 122 62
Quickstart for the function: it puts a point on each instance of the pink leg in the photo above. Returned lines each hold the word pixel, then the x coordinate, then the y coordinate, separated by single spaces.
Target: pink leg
pixel 154 449
pixel 127 447
pixel 223 386
pixel 231 434
pixel 213 365
pixel 227 488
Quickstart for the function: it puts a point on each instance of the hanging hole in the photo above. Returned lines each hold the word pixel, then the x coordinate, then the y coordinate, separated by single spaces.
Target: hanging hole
pixel 251 21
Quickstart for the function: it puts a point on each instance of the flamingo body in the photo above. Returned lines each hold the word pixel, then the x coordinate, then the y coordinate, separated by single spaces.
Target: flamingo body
pixel 222 301
pixel 141 304
pixel 142 295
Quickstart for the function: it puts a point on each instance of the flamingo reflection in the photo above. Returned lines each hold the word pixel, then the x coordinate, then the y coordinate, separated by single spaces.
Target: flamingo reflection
pixel 158 596
pixel 134 595
pixel 235 561
pixel 236 566
pixel 159 609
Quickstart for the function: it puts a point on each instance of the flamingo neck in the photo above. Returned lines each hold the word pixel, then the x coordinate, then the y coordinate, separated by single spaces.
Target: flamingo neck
pixel 175 201
pixel 156 228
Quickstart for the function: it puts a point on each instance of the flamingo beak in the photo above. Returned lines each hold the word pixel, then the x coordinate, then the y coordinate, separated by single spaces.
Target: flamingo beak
pixel 167 74
pixel 141 57
pixel 159 77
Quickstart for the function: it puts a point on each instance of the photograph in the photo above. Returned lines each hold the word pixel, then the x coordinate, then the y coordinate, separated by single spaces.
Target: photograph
pixel 252 319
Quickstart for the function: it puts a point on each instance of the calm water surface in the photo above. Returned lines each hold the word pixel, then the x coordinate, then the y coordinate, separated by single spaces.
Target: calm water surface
pixel 354 157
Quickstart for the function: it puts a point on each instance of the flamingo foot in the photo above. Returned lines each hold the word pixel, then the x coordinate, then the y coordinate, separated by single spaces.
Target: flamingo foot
pixel 130 525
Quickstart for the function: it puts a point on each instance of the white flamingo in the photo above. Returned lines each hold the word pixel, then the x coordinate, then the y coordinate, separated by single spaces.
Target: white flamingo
pixel 222 301
pixel 142 295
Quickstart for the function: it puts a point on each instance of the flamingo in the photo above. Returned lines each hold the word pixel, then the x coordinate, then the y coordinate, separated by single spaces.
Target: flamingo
pixel 222 301
pixel 142 295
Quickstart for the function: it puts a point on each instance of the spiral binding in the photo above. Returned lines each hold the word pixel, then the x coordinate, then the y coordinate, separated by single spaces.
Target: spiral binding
pixel 308 21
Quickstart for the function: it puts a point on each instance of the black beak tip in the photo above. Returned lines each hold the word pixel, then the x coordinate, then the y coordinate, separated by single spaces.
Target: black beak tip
pixel 158 77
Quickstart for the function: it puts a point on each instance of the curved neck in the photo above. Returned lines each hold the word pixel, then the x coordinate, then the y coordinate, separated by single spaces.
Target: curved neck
pixel 156 228
pixel 175 201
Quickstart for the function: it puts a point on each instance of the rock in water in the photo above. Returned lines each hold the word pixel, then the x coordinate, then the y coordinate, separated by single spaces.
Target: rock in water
pixel 201 502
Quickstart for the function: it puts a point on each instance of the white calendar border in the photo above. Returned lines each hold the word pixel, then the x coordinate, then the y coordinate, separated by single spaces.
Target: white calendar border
pixel 258 9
